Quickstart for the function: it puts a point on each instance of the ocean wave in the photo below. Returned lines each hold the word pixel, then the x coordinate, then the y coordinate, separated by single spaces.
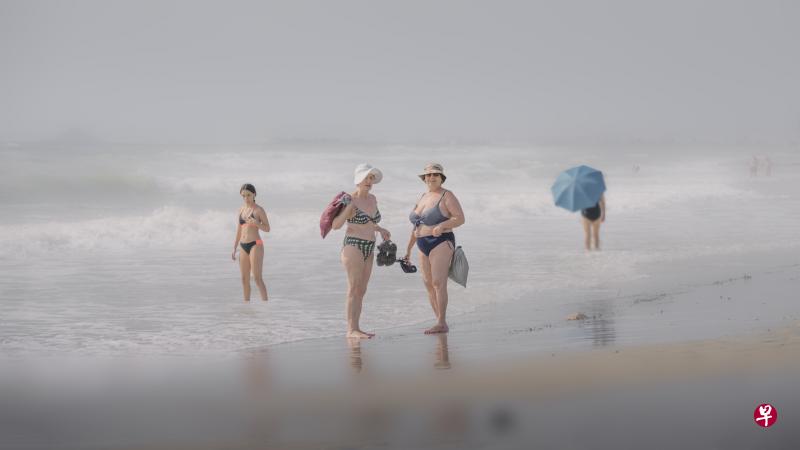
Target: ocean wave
pixel 177 227
pixel 165 227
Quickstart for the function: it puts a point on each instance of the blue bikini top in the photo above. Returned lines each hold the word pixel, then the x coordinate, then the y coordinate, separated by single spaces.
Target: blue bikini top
pixel 430 217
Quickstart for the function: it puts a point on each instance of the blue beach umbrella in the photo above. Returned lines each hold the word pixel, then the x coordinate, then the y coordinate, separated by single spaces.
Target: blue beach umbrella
pixel 578 188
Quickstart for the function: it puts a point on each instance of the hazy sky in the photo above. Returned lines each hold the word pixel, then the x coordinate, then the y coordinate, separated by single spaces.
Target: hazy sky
pixel 537 71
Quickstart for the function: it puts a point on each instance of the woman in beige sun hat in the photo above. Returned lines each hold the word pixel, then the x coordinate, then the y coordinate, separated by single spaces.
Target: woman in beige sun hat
pixel 362 217
pixel 434 217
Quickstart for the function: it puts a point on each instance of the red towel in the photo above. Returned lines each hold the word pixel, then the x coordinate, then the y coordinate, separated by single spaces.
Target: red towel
pixel 331 211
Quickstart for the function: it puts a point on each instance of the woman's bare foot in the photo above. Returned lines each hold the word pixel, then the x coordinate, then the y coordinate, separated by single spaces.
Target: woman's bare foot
pixel 359 334
pixel 438 328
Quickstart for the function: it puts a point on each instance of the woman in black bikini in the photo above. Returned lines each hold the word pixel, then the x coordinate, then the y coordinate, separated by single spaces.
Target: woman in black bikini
pixel 592 218
pixel 362 217
pixel 436 214
pixel 252 218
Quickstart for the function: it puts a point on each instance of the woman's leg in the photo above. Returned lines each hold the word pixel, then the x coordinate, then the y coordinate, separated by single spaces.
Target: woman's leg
pixel 362 288
pixel 353 262
pixel 257 264
pixel 244 267
pixel 587 236
pixel 427 279
pixel 440 259
pixel 596 233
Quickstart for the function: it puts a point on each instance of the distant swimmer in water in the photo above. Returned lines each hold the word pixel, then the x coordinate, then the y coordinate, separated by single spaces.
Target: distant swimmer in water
pixel 435 215
pixel 252 218
pixel 362 216
pixel 592 218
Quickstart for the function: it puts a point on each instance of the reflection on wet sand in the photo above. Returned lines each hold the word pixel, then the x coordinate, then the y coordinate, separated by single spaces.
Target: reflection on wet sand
pixel 257 374
pixel 442 353
pixel 601 323
pixel 259 421
pixel 356 362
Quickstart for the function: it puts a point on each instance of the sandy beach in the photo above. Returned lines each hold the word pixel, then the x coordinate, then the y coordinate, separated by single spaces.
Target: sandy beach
pixel 688 316
pixel 643 372
pixel 697 394
pixel 141 340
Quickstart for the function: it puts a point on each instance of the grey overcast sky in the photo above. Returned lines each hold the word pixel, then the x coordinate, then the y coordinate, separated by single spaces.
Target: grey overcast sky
pixel 522 71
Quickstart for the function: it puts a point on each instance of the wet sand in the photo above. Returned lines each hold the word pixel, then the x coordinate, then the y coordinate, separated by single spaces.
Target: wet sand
pixel 666 369
pixel 698 394
pixel 651 369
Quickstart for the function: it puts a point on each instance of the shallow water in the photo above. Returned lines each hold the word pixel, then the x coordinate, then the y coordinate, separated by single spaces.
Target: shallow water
pixel 125 250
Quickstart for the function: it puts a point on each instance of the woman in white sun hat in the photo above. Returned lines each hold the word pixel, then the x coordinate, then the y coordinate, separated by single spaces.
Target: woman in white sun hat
pixel 362 217
pixel 436 214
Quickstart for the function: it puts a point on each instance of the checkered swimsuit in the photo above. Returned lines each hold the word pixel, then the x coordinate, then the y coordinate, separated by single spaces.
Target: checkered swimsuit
pixel 364 245
pixel 362 218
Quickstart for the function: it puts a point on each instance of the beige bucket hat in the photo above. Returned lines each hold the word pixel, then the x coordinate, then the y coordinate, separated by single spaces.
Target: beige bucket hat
pixel 433 168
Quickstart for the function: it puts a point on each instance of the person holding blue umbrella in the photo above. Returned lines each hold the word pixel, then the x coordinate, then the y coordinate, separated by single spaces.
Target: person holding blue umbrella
pixel 581 189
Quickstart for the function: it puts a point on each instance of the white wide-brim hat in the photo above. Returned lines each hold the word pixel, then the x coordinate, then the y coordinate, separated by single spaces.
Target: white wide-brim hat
pixel 363 171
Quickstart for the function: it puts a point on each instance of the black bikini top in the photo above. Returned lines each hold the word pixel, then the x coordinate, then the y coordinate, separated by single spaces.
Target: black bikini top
pixel 242 221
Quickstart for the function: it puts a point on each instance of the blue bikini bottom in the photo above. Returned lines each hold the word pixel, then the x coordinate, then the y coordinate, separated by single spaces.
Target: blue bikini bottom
pixel 428 243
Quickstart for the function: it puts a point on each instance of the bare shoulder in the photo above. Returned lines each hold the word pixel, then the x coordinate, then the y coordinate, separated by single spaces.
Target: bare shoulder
pixel 451 203
pixel 450 197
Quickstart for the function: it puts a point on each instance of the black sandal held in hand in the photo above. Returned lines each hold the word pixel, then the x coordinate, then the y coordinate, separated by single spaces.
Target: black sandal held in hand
pixel 387 253
pixel 407 266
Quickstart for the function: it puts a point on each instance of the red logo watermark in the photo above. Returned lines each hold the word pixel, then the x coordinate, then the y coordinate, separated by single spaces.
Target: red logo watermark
pixel 765 415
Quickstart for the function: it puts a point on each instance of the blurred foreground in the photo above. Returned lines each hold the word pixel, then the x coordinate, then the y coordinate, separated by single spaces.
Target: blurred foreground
pixel 685 395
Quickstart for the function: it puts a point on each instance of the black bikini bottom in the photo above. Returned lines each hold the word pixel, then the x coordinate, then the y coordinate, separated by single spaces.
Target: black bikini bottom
pixel 592 213
pixel 247 246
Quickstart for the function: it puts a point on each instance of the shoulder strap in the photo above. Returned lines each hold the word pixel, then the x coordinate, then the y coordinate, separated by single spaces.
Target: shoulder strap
pixel 440 198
